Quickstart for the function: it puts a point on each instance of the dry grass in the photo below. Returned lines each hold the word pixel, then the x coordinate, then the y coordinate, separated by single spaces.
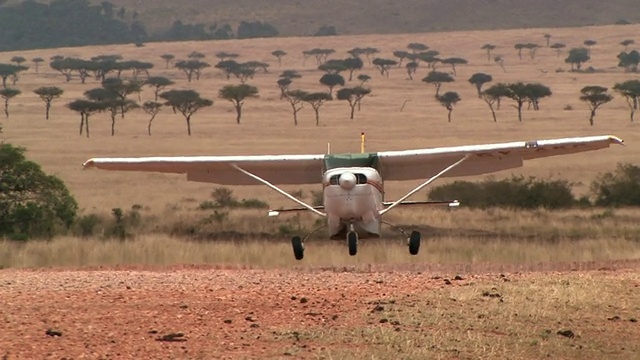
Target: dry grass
pixel 496 318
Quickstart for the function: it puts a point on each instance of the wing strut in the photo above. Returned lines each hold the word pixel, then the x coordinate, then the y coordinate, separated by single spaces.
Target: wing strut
pixel 289 196
pixel 419 187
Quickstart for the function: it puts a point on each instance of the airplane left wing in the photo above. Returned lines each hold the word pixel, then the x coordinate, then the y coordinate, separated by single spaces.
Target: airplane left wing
pixel 481 159
pixel 276 169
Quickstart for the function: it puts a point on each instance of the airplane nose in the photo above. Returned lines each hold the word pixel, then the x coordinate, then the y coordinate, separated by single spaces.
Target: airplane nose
pixel 347 181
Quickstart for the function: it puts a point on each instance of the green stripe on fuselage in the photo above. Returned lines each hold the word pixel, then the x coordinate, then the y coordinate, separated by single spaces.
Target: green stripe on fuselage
pixel 333 161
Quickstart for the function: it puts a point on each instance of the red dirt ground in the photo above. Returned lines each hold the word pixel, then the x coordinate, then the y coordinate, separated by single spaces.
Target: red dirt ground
pixel 122 313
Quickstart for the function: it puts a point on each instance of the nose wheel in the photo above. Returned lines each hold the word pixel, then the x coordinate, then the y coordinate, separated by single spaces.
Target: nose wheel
pixel 352 242
pixel 298 247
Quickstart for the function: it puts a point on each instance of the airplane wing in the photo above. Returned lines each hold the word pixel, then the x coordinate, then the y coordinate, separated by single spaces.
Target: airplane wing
pixel 277 169
pixel 425 163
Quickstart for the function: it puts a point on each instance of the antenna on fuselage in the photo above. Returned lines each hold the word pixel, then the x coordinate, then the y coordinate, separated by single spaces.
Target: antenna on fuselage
pixel 362 147
pixel 328 148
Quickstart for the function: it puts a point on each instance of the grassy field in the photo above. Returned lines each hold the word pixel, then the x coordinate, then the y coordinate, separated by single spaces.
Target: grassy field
pixel 267 125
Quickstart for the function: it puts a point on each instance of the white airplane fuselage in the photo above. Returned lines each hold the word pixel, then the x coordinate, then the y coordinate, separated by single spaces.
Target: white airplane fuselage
pixel 352 201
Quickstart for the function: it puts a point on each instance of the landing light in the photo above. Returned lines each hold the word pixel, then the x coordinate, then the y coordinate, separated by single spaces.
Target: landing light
pixel 274 213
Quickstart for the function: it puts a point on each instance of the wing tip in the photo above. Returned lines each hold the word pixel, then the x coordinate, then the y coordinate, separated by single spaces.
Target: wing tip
pixel 88 164
pixel 616 140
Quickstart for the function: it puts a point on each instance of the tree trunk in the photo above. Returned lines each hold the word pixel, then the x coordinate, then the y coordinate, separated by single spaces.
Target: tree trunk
pixel 520 111
pixel 149 127
pixel 47 107
pixel 189 125
pixel 113 124
pixel 6 107
pixel 86 120
pixel 317 110
pixel 353 108
pixel 493 113
pixel 238 113
pixel 593 114
pixel 295 114
pixel 81 123
pixel 449 115
pixel 437 89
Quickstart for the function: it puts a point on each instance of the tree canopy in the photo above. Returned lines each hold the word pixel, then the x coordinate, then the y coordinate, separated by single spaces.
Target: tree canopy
pixel 237 94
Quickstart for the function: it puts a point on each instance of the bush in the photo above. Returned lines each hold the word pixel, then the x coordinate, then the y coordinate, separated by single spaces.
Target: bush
pixel 517 192
pixel 618 188
pixel 32 204
pixel 256 29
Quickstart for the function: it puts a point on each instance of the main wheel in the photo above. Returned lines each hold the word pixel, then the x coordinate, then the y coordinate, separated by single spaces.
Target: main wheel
pixel 414 243
pixel 298 248
pixel 352 241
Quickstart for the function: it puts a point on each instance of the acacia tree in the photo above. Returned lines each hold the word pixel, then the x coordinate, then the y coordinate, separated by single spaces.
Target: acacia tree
pixel 353 96
pixel 417 47
pixel 500 61
pixel 437 78
pixel 158 84
pixel 453 61
pixel 279 54
pixel 521 93
pixel 401 55
pixel 122 89
pixel 110 102
pixel 558 48
pixel 8 94
pixel 37 61
pixel 384 65
pixel 626 43
pixel 237 94
pixel 188 102
pixel 352 65
pixel 363 78
pixel 629 61
pixel 589 44
pixel 577 57
pixel 191 68
pixel 10 70
pixel 316 100
pixel 332 80
pixel 85 108
pixel 519 47
pixel 492 96
pixel 47 94
pixel 630 89
pixel 488 48
pixel 594 96
pixel 283 84
pixel 412 67
pixel 479 79
pixel 536 92
pixel 448 100
pixel 547 38
pixel 152 108
pixel 168 59
pixel 295 98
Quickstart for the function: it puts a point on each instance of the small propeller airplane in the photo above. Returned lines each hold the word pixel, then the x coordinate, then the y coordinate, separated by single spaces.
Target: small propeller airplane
pixel 353 190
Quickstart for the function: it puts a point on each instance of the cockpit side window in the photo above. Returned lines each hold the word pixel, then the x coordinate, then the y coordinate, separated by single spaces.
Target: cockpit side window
pixel 361 179
pixel 334 180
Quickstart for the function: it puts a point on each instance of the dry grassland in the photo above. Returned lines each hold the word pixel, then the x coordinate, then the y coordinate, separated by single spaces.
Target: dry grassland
pixel 267 124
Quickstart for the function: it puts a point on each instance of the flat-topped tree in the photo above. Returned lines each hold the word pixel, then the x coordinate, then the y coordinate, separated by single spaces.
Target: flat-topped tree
pixel 384 65
pixel 363 78
pixel 532 49
pixel 492 96
pixel 36 62
pixel 152 108
pixel 283 84
pixel 195 55
pixel 449 100
pixel 430 57
pixel 500 61
pixel 547 38
pixel 85 108
pixel 187 102
pixel 626 43
pixel 629 61
pixel 290 74
pixel 453 61
pixel 8 94
pixel 519 47
pixel 353 64
pixel 537 91
pixel 369 52
pixel 10 70
pixel 222 55
pixel 158 84
pixel 401 55
pixel 295 99
pixel 331 81
pixel 168 59
pixel 121 89
pixel 353 96
pixel 411 67
pixel 18 60
pixel 437 78
pixel 488 48
pixel 279 54
pixel 478 80
pixel 228 67
pixel 630 89
pixel 356 52
pixel 237 94
pixel 417 47
pixel 589 43
pixel 112 103
pixel 577 57
pixel 191 68
pixel 558 48
pixel 594 97
pixel 333 66
pixel 47 94
pixel 316 100
pixel 256 65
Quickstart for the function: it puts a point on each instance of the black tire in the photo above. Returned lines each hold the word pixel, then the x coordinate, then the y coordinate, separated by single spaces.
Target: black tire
pixel 414 243
pixel 352 241
pixel 298 248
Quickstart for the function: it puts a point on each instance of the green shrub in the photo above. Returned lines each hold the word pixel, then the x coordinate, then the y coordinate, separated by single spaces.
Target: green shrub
pixel 516 192
pixel 618 188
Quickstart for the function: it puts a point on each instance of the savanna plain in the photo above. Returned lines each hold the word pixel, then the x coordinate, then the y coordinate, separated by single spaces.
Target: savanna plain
pixel 491 283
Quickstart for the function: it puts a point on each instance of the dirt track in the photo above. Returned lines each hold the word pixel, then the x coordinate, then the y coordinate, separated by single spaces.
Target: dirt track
pixel 221 313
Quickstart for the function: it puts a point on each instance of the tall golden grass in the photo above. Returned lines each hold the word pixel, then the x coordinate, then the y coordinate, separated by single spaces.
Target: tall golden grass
pixel 267 124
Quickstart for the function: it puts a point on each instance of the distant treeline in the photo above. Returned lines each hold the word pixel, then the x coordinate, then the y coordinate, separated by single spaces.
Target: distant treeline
pixel 62 23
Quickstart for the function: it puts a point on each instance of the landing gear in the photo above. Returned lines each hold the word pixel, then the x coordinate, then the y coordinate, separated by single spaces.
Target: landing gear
pixel 298 247
pixel 352 242
pixel 414 242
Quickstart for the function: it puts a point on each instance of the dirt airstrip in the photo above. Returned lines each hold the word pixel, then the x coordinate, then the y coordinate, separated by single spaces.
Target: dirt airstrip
pixel 217 313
